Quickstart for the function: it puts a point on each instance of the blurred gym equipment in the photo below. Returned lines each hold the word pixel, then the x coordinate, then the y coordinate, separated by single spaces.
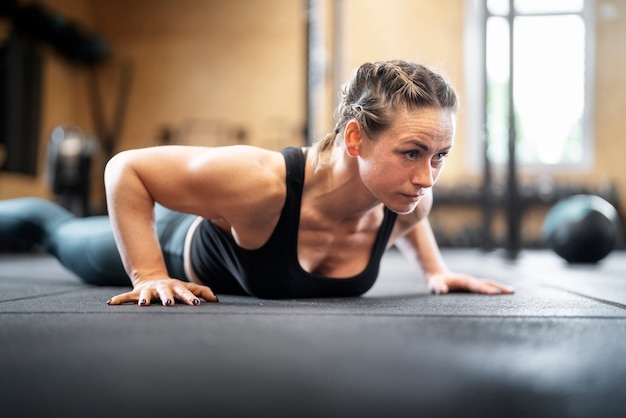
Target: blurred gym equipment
pixel 69 160
pixel 582 228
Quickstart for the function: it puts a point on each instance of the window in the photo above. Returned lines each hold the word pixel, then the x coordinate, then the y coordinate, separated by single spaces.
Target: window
pixel 534 57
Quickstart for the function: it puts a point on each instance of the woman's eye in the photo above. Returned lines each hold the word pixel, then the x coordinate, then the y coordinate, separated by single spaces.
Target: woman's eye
pixel 440 157
pixel 414 155
pixel 411 155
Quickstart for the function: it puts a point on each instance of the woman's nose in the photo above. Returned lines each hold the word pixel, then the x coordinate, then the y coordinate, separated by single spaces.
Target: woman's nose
pixel 424 176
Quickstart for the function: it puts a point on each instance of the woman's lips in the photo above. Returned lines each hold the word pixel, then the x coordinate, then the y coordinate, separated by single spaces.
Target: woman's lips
pixel 413 198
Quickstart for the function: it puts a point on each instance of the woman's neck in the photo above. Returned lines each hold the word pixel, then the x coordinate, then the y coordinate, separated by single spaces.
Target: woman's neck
pixel 336 189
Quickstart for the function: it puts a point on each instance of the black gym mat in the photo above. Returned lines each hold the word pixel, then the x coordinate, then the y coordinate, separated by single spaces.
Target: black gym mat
pixel 555 348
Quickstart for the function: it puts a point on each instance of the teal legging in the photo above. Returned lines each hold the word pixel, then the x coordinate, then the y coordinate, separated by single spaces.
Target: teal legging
pixel 86 246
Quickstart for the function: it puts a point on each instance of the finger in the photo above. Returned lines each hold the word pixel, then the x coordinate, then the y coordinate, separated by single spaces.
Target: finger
pixel 203 292
pixel 123 298
pixel 441 290
pixel 489 288
pixel 504 289
pixel 185 295
pixel 438 287
pixel 166 295
pixel 145 297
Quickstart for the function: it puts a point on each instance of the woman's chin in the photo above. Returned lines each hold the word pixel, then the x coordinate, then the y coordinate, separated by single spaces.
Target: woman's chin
pixel 402 209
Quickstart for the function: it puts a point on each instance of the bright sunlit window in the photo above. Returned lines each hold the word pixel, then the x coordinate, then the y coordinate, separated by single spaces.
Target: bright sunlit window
pixel 544 72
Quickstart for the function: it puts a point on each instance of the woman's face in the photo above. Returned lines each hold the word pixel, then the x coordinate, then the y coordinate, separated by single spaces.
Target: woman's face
pixel 403 162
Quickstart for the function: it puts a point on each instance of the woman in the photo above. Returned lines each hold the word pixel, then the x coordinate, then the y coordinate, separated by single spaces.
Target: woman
pixel 303 222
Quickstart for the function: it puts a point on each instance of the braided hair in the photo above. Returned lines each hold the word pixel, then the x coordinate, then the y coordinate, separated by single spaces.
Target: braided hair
pixel 376 90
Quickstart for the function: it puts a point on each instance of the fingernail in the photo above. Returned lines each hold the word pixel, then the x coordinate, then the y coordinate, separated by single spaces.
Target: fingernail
pixel 142 302
pixel 109 301
pixel 168 301
pixel 216 298
pixel 196 302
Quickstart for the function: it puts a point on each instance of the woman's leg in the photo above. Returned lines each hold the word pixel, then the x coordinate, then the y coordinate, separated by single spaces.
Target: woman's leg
pixel 30 220
pixel 86 245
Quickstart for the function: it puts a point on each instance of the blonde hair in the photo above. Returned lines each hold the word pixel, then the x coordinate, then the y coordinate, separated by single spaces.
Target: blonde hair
pixel 376 90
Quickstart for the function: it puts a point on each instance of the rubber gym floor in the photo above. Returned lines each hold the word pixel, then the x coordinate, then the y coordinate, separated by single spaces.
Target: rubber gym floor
pixel 556 348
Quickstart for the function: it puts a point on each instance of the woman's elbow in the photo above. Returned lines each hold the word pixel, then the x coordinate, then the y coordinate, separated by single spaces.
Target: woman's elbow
pixel 116 167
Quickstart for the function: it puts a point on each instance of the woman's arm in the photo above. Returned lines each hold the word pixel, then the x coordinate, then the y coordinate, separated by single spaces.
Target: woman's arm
pixel 201 181
pixel 419 244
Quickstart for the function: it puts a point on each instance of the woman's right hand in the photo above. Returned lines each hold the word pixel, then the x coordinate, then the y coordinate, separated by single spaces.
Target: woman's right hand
pixel 167 290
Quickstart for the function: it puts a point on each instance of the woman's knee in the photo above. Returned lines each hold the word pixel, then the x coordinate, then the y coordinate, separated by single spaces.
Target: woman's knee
pixel 87 247
pixel 31 219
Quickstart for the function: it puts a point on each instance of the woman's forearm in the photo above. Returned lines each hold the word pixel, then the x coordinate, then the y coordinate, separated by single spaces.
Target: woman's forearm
pixel 419 245
pixel 131 210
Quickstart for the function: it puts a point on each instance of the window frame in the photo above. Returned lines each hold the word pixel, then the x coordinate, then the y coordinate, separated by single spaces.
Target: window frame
pixel 475 91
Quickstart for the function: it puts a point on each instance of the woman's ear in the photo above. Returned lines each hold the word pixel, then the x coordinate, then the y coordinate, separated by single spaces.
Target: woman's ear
pixel 352 137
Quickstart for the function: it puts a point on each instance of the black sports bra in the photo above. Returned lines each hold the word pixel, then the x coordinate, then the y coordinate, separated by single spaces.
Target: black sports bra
pixel 273 270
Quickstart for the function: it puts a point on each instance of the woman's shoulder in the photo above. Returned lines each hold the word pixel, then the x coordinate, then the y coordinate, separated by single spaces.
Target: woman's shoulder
pixel 231 181
pixel 252 190
pixel 240 163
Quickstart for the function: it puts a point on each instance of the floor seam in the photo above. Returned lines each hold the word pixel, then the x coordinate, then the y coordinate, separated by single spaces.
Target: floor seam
pixel 593 298
pixel 382 315
pixel 39 295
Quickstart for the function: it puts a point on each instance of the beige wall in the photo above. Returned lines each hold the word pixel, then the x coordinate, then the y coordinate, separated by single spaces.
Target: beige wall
pixel 203 64
pixel 417 30
pixel 208 69
pixel 205 67
pixel 610 100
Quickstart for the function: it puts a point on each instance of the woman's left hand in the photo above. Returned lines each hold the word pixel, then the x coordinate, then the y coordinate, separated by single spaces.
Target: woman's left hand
pixel 442 283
